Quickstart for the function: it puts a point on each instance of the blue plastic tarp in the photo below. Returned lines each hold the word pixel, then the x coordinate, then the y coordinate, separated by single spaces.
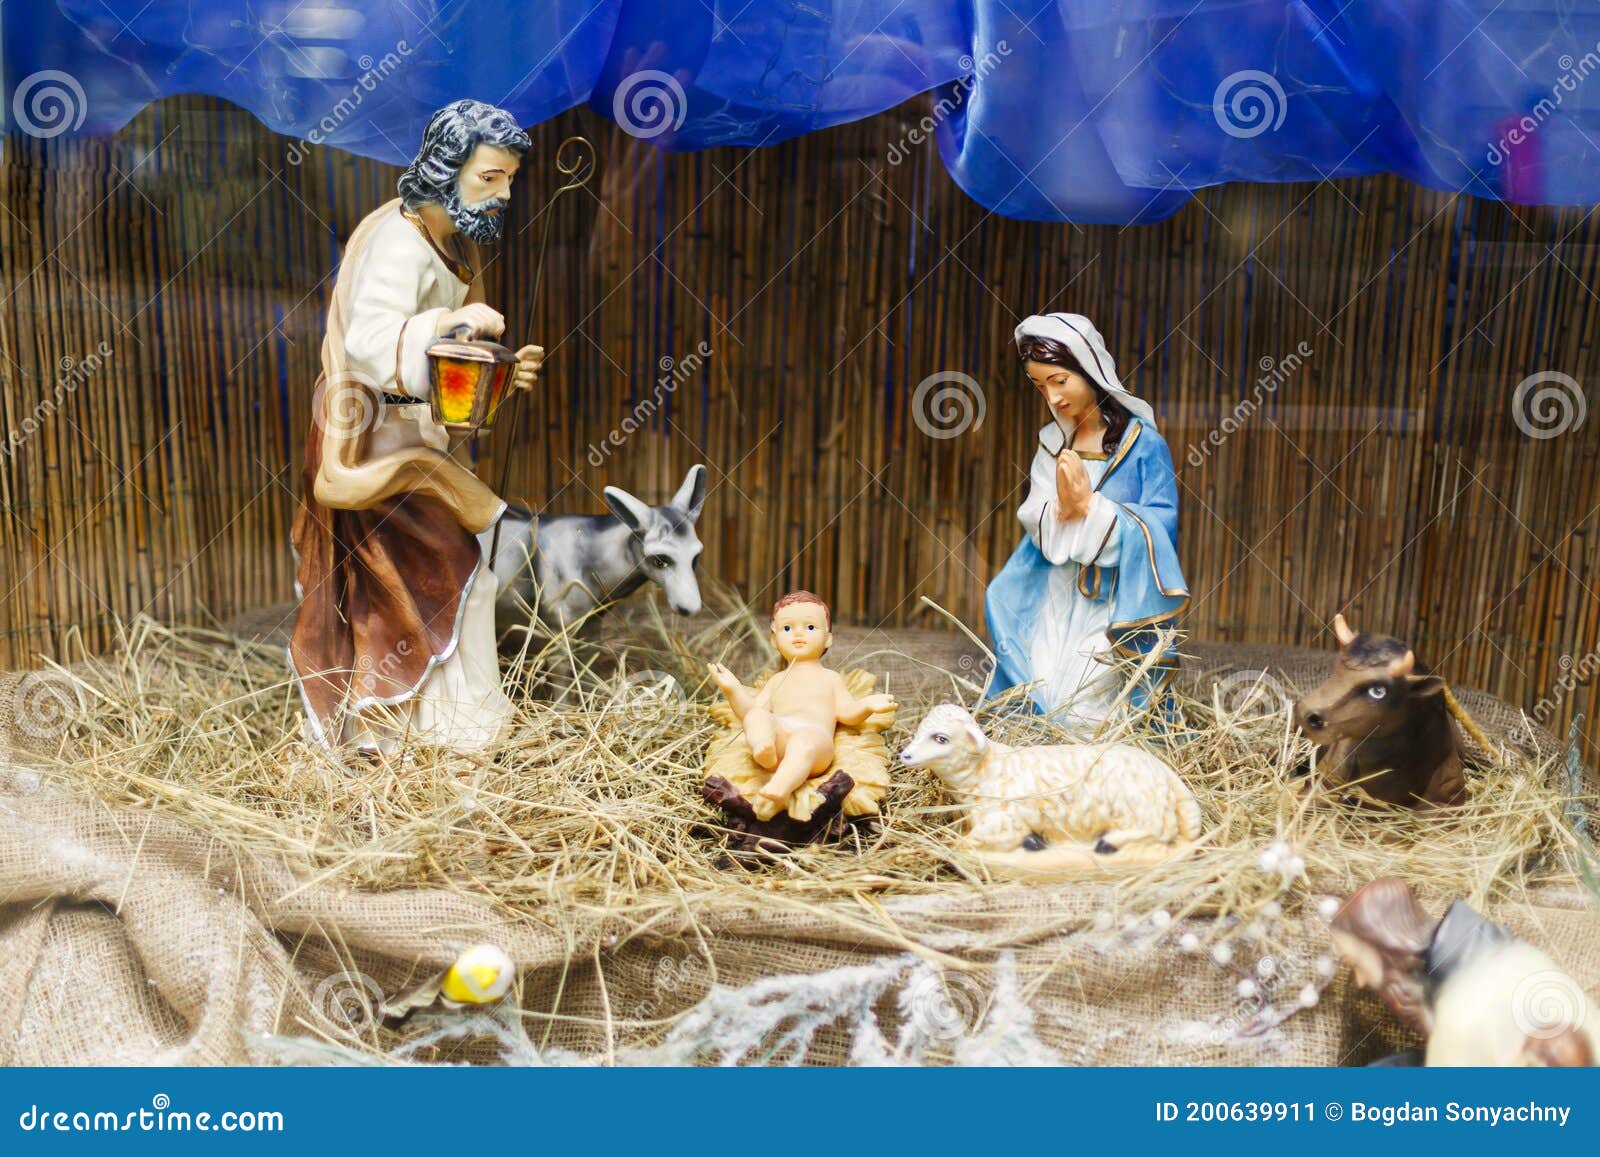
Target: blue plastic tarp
pixel 1083 110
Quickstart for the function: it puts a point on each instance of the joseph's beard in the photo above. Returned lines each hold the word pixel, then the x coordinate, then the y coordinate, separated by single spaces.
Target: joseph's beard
pixel 477 222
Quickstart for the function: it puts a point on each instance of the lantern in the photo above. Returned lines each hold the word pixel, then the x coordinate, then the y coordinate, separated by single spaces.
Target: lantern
pixel 469 380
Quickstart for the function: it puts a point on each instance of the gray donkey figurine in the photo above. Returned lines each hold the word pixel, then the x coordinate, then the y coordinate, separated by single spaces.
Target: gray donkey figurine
pixel 566 565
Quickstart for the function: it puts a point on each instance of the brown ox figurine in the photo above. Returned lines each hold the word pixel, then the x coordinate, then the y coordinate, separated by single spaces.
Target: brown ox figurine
pixel 1381 719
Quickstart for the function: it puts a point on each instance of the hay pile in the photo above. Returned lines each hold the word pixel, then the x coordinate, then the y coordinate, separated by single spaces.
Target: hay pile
pixel 587 819
pixel 590 808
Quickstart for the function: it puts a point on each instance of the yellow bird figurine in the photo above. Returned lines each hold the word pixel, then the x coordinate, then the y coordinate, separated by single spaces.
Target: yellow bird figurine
pixel 481 975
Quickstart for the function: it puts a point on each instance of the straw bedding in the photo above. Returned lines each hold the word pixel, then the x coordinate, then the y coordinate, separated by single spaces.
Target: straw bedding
pixel 185 881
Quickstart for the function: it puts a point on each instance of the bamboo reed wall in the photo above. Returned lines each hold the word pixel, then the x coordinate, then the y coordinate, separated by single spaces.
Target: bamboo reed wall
pixel 1382 471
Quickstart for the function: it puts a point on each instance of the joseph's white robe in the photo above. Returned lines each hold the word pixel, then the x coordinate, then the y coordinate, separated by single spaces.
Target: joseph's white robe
pixel 388 497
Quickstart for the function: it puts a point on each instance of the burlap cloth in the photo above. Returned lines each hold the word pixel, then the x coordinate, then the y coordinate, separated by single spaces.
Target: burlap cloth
pixel 128 938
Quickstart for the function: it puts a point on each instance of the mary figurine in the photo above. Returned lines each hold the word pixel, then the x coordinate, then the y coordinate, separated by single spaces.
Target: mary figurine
pixel 1093 590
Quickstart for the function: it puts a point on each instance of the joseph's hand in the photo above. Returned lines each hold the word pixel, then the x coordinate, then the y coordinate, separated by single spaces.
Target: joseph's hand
pixel 530 359
pixel 477 317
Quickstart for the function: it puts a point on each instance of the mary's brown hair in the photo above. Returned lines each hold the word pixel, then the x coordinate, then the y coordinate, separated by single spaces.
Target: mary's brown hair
pixel 1053 353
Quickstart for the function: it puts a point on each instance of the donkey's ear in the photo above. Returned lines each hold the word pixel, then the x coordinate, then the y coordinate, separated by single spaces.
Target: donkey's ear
pixel 635 515
pixel 691 496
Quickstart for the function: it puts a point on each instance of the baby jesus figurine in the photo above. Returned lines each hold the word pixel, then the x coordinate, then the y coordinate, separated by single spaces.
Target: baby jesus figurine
pixel 790 723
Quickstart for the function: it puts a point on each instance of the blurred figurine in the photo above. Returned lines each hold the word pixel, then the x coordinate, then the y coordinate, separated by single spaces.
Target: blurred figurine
pixel 1384 721
pixel 1063 807
pixel 795 726
pixel 481 975
pixel 1477 994
pixel 395 632
pixel 1096 578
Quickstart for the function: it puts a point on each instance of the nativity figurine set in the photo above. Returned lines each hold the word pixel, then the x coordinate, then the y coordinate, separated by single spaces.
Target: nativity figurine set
pixel 413 574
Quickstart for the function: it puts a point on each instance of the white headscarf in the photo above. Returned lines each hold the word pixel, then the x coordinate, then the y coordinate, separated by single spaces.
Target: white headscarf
pixel 1079 335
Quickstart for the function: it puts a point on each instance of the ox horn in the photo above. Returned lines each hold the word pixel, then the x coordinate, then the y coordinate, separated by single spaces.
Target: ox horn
pixel 1402 666
pixel 1342 631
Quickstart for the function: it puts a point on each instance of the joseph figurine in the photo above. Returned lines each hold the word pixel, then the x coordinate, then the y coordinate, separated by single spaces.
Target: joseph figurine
pixel 394 639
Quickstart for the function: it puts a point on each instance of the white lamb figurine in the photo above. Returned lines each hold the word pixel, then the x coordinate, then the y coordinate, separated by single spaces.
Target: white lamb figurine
pixel 1068 806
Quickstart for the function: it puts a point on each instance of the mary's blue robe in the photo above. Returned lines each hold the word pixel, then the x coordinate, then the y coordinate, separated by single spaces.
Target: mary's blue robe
pixel 1144 592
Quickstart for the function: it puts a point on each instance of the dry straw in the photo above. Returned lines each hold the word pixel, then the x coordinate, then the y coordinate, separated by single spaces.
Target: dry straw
pixel 589 811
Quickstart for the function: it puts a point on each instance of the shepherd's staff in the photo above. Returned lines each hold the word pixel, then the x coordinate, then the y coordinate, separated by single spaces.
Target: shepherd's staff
pixel 574 161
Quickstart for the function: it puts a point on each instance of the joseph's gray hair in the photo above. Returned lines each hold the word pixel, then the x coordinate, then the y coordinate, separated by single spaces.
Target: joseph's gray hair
pixel 452 133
